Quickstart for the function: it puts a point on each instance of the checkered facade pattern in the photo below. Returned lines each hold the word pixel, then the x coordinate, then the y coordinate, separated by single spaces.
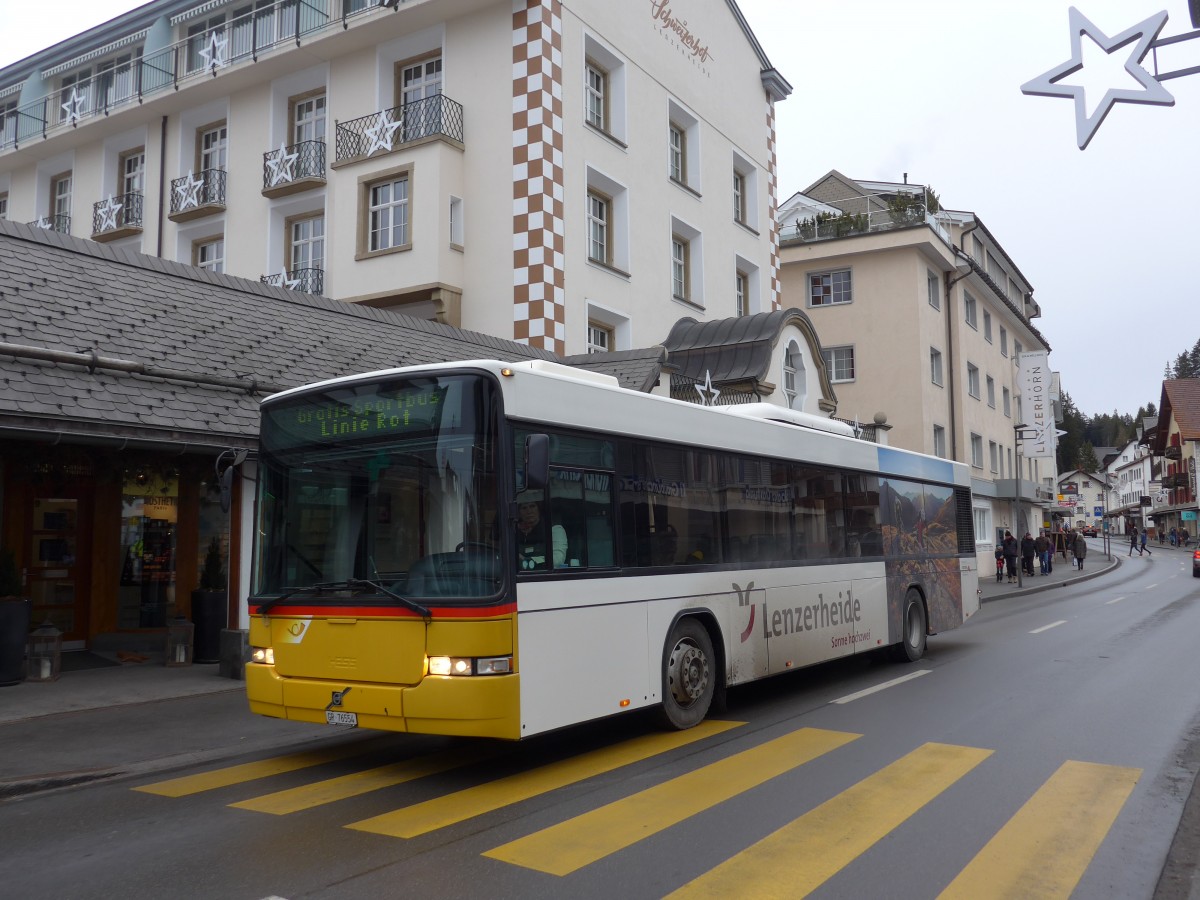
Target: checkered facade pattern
pixel 772 206
pixel 539 299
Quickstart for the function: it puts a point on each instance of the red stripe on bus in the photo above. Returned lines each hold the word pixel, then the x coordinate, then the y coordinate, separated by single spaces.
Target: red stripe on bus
pixel 366 612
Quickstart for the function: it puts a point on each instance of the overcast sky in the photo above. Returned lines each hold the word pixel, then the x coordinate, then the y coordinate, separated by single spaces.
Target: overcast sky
pixel 1107 236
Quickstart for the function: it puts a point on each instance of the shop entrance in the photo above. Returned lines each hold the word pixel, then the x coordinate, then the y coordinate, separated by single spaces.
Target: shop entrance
pixel 59 572
pixel 149 520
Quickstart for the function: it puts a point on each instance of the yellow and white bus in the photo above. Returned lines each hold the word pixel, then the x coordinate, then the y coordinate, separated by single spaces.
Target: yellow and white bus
pixel 495 549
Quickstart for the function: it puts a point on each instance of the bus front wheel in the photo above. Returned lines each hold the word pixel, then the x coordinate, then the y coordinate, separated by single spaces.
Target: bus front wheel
pixel 688 676
pixel 913 628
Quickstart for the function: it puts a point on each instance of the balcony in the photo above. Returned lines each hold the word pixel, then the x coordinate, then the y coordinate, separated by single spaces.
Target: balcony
pixel 269 28
pixel 289 170
pixel 195 196
pixel 865 214
pixel 117 217
pixel 1173 452
pixel 391 129
pixel 310 281
pixel 1175 482
pixel 61 224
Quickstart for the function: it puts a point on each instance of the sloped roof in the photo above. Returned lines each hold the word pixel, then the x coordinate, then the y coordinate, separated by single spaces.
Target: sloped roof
pixel 172 324
pixel 637 370
pixel 1181 401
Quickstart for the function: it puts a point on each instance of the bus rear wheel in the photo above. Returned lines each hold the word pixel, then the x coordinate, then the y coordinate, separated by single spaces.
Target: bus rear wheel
pixel 913 628
pixel 688 679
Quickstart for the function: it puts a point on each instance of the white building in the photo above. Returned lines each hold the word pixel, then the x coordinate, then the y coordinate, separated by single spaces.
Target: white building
pixel 1130 472
pixel 366 152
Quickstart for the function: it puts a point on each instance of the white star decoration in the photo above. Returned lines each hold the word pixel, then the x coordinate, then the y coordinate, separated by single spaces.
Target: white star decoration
pixel 76 106
pixel 214 51
pixel 44 223
pixel 187 191
pixel 282 166
pixel 108 214
pixel 380 134
pixel 1141 36
pixel 708 393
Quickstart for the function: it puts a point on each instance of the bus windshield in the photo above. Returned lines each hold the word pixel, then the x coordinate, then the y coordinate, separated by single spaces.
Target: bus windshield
pixel 391 481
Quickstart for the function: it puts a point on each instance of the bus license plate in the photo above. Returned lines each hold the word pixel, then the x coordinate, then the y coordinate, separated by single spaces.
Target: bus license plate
pixel 341 718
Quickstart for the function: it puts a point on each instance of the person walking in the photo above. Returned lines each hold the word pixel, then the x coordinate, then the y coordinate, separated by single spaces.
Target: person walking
pixel 1069 546
pixel 1041 547
pixel 1142 539
pixel 1028 548
pixel 1011 551
pixel 1133 542
pixel 999 563
pixel 1174 536
pixel 1080 551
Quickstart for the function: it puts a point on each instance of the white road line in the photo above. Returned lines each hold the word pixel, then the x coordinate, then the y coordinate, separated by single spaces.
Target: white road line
pixel 1150 587
pixel 1117 600
pixel 1048 627
pixel 880 687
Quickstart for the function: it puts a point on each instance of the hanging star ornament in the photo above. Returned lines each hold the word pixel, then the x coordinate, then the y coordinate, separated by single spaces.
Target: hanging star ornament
pixel 213 52
pixel 282 166
pixel 1141 36
pixel 187 191
pixel 708 393
pixel 380 134
pixel 108 213
pixel 75 107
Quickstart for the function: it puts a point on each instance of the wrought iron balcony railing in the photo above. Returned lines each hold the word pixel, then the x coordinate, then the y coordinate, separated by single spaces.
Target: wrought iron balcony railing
pixel 1173 452
pixel 196 191
pixel 117 213
pixel 268 27
pixel 300 162
pixel 310 281
pixel 382 132
pixel 61 224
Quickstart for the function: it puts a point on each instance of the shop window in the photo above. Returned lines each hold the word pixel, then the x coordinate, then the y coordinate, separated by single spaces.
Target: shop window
pixel 149 520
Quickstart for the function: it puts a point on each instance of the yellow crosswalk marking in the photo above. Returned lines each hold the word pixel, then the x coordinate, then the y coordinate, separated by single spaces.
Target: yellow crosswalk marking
pixel 457 807
pixel 564 848
pixel 356 783
pixel 219 778
pixel 804 854
pixel 1046 847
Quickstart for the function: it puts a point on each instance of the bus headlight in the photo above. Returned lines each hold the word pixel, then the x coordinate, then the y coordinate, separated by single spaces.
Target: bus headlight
pixel 264 655
pixel 463 665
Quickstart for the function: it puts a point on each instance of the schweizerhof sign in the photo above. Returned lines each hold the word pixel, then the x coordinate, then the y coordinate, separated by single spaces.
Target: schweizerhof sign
pixel 1037 410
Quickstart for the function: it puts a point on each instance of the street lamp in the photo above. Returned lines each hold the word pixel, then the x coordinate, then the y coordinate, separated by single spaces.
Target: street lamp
pixel 1108 486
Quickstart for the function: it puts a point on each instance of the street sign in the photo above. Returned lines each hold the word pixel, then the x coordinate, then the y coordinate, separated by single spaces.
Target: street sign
pixel 1097 511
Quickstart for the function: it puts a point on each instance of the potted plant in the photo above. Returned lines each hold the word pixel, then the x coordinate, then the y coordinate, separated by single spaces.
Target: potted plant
pixel 14 620
pixel 210 605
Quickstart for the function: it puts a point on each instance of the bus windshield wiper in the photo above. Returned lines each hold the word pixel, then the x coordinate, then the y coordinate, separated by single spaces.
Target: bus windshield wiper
pixel 358 585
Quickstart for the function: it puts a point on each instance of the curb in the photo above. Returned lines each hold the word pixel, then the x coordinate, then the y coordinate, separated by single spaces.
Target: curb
pixel 1025 591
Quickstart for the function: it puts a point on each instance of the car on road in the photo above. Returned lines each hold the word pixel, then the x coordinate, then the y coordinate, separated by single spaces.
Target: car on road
pixel 1088 530
pixel 1196 563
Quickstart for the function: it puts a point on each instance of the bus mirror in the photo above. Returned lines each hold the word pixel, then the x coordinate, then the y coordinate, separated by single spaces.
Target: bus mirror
pixel 537 462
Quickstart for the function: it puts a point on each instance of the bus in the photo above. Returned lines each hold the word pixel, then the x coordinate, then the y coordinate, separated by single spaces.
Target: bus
pixel 502 549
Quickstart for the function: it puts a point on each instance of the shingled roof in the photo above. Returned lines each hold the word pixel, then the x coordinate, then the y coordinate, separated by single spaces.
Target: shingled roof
pixel 96 340
pixel 1180 401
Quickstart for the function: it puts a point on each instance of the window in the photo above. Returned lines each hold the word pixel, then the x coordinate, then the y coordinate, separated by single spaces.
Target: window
pixel 676 153
pixel 1016 351
pixel 739 197
pixel 991 392
pixel 969 309
pixel 600 338
pixel 213 147
pixel 421 81
pixel 741 292
pixel 745 191
pixel 679 267
pixel 829 288
pixel 60 196
pixel 973 380
pixel 935 365
pixel 840 363
pixel 8 121
pixel 983 524
pixel 987 326
pixel 4 205
pixel 200 39
pixel 210 254
pixel 599 214
pixel 387 214
pixel 307 244
pixel 795 381
pixel 939 441
pixel 993 455
pixel 1007 397
pixel 132 179
pixel 596 96
pixel 933 288
pixel 976 451
pixel 1003 341
pixel 456 222
pixel 308 119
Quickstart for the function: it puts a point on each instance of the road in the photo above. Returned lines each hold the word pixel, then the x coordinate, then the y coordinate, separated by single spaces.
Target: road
pixel 1044 749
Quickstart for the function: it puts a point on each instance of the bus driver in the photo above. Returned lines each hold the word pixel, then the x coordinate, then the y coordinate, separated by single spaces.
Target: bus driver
pixel 531 535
